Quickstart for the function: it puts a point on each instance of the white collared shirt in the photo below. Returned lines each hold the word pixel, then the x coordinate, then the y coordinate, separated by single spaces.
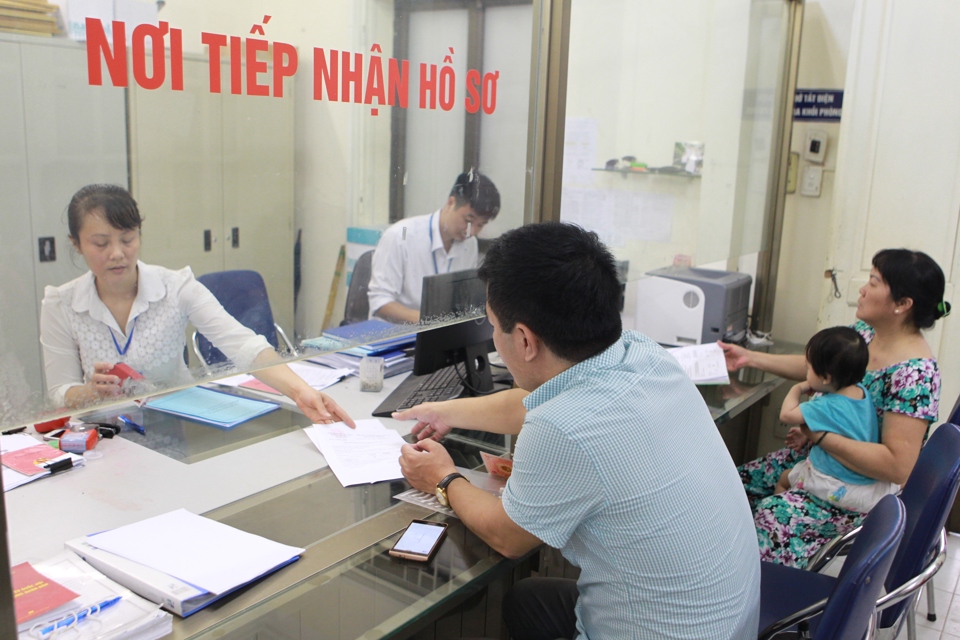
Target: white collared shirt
pixel 401 261
pixel 77 329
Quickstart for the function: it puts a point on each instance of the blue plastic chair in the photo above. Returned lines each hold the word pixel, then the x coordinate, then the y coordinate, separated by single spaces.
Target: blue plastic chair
pixel 357 306
pixel 844 607
pixel 243 295
pixel 928 497
pixel 931 600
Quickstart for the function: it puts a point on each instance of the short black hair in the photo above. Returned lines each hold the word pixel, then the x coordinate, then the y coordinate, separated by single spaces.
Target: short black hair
pixel 118 207
pixel 560 281
pixel 914 275
pixel 839 352
pixel 478 191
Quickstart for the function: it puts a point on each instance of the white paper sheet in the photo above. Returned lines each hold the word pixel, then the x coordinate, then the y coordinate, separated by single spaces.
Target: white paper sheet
pixel 317 377
pixel 579 150
pixel 370 453
pixel 704 363
pixel 618 216
pixel 203 552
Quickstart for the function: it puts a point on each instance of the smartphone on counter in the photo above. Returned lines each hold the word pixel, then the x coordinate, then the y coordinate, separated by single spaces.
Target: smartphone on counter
pixel 419 541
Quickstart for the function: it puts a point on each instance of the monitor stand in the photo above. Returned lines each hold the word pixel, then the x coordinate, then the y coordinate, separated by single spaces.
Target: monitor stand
pixel 477 365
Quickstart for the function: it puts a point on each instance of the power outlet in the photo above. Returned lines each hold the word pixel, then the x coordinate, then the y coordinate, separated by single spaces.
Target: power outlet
pixel 810 181
pixel 781 429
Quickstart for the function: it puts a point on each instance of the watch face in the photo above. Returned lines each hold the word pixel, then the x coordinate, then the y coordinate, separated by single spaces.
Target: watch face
pixel 442 497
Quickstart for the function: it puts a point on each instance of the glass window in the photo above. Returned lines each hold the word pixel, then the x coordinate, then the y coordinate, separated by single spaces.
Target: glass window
pixel 277 138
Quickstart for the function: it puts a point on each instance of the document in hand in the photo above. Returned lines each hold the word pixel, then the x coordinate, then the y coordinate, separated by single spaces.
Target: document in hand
pixel 202 552
pixel 370 453
pixel 117 612
pixel 12 445
pixel 223 410
pixel 703 363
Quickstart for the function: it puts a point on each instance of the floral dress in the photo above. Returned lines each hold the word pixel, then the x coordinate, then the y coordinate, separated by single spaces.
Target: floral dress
pixel 793 525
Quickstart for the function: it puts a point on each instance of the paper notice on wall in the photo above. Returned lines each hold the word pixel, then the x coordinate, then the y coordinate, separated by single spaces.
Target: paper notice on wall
pixel 79 10
pixel 134 13
pixel 579 150
pixel 618 216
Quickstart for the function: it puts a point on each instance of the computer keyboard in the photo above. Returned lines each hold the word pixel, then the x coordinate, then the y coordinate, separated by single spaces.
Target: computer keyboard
pixel 442 384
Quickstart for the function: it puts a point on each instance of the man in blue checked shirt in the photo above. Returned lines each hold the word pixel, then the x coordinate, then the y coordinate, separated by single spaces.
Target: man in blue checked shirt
pixel 618 462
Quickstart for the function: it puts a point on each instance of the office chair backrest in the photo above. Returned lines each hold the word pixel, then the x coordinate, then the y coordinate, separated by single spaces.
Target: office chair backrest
pixel 244 296
pixel 357 308
pixel 854 597
pixel 928 497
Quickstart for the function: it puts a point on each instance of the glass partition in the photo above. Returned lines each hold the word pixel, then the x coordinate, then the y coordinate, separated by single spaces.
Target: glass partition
pixel 673 120
pixel 280 138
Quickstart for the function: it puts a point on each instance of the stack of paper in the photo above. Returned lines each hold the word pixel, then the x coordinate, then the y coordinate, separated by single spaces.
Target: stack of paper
pixel 123 614
pixel 25 459
pixel 317 377
pixel 370 453
pixel 394 362
pixel 703 363
pixel 183 561
pixel 211 407
pixel 390 349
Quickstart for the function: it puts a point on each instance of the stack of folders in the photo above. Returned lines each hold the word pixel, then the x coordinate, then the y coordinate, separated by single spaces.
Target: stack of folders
pixel 182 561
pixel 395 360
pixel 102 609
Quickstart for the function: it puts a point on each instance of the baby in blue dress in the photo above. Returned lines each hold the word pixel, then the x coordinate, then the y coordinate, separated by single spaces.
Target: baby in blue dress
pixel 837 361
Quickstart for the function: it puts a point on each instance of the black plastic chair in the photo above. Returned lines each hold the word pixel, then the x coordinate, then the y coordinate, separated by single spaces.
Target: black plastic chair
pixel 928 497
pixel 844 607
pixel 243 295
pixel 357 307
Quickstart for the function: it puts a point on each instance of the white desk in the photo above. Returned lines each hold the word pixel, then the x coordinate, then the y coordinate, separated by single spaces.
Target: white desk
pixel 130 482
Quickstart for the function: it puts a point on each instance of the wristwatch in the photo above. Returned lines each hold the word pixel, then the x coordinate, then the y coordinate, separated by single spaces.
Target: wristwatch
pixel 442 488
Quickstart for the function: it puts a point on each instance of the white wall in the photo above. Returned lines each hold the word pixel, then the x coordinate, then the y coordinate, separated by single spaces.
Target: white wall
pixel 651 74
pixel 897 161
pixel 825 43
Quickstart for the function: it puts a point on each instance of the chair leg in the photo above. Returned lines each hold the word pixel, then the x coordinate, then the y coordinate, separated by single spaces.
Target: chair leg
pixel 931 602
pixel 911 625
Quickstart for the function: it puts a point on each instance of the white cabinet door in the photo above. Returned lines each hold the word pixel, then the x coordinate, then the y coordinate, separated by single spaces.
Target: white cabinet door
pixel 75 135
pixel 176 171
pixel 19 333
pixel 258 193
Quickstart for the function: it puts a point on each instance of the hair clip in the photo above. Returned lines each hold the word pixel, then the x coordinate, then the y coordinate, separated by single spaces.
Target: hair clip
pixel 944 308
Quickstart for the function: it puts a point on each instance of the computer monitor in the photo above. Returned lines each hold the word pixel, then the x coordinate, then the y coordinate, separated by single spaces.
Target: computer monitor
pixel 467 342
pixel 451 294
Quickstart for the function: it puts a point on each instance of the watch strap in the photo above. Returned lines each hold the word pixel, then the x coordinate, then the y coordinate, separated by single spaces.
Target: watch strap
pixel 443 484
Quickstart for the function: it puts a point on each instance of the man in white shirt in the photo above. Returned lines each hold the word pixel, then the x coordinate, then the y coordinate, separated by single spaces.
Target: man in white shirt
pixel 440 242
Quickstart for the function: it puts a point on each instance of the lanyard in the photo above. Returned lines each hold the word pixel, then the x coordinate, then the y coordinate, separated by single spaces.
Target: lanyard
pixel 123 351
pixel 433 253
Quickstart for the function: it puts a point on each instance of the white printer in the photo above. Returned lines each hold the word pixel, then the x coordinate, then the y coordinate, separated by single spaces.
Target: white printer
pixel 685 305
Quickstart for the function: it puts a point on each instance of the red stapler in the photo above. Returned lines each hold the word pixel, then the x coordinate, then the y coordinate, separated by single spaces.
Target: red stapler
pixel 124 371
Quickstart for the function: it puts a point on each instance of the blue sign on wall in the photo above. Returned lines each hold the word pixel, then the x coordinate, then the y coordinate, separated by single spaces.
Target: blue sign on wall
pixel 820 105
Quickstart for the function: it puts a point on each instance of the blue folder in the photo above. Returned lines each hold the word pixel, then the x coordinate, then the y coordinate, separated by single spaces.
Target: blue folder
pixel 216 408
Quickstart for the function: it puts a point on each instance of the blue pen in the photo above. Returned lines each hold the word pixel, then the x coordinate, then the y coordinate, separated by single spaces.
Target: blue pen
pixel 80 616
pixel 133 425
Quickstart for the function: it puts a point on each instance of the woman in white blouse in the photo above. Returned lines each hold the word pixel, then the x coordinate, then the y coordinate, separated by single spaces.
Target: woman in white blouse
pixel 123 310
